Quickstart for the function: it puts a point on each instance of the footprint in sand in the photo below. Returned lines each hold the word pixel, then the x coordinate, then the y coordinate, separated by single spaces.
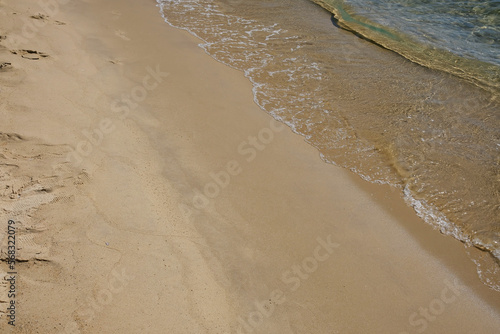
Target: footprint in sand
pixel 39 17
pixel 29 54
pixel 115 61
pixel 116 14
pixel 29 249
pixel 4 291
pixel 122 35
pixel 44 17
pixel 32 175
pixel 5 65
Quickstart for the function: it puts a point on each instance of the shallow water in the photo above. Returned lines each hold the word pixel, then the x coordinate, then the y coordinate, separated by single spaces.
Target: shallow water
pixel 469 29
pixel 431 133
pixel 460 37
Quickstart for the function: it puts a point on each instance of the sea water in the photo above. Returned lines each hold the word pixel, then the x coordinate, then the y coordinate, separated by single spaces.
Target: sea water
pixel 403 92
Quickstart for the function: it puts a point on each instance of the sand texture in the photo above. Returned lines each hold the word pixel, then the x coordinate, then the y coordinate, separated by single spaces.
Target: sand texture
pixel 151 195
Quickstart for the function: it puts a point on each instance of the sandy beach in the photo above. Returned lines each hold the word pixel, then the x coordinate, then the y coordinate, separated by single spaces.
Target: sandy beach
pixel 150 194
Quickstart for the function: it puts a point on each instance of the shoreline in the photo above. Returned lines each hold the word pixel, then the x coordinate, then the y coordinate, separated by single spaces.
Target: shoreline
pixel 407 140
pixel 476 72
pixel 287 243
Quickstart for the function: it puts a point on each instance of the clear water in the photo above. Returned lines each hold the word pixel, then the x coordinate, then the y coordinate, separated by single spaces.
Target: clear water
pixel 433 131
pixel 469 29
pixel 461 37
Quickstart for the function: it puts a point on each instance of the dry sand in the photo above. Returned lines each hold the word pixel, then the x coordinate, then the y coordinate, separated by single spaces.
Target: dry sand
pixel 110 132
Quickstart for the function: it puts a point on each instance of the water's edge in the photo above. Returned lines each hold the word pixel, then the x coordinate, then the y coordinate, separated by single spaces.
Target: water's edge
pixel 424 210
pixel 484 75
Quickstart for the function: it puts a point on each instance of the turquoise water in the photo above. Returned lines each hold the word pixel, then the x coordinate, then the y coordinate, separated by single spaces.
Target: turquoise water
pixel 432 131
pixel 469 29
pixel 459 37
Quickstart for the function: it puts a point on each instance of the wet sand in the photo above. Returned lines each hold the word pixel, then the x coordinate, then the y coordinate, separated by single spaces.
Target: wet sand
pixel 152 195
